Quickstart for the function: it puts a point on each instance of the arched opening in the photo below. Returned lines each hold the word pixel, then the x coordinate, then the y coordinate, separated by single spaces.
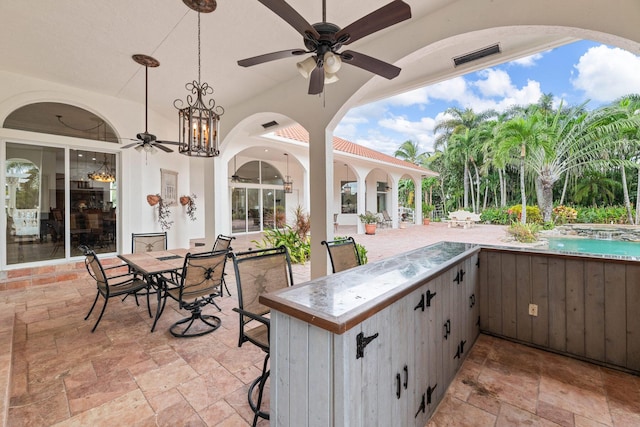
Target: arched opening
pixel 58 197
pixel 258 200
pixel 60 119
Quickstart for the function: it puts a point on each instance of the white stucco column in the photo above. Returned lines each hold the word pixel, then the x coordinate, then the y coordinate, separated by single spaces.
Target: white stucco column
pixel 320 194
pixel 417 217
pixel 362 199
pixel 211 169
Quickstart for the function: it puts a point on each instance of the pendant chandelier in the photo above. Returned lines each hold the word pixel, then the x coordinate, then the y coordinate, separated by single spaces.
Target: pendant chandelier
pixel 199 121
pixel 288 183
pixel 103 174
pixel 347 186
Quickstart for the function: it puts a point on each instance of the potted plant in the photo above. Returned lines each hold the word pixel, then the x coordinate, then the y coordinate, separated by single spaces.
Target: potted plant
pixel 426 213
pixel 190 203
pixel 370 221
pixel 163 210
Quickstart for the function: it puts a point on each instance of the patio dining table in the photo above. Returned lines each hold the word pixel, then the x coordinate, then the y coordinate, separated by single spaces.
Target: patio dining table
pixel 154 265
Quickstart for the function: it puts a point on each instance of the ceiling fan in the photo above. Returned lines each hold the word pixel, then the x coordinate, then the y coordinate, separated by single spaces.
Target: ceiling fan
pixel 235 177
pixel 145 140
pixel 324 39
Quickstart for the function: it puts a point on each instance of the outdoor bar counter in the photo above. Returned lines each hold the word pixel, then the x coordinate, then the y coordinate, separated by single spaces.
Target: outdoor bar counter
pixel 374 345
pixel 379 344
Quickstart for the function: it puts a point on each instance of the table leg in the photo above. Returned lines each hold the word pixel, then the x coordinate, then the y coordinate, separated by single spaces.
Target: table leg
pixel 159 285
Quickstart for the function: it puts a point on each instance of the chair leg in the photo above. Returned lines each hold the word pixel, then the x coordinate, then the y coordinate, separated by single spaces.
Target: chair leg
pixel 92 306
pixel 224 282
pixel 260 382
pixel 106 300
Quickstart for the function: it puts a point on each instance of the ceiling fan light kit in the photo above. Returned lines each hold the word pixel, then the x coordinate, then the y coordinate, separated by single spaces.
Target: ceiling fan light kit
pixel 325 39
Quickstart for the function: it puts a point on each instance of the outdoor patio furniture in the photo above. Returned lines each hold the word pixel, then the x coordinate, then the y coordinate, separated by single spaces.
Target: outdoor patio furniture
pixel 111 286
pixel 343 254
pixel 148 242
pixel 386 219
pixel 464 219
pixel 259 272
pixel 223 243
pixel 200 282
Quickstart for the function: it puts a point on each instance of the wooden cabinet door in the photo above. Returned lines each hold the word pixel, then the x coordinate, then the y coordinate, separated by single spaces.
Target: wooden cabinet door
pixel 473 306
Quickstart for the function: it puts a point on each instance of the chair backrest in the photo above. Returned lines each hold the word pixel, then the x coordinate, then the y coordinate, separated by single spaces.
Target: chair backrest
pixel 222 243
pixel 343 254
pixel 259 272
pixel 385 215
pixel 148 242
pixel 95 269
pixel 202 274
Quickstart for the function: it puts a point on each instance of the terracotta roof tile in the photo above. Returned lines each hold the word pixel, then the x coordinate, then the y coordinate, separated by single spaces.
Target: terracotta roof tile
pixel 299 133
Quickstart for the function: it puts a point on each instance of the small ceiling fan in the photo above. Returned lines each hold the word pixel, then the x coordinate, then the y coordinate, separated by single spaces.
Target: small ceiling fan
pixel 145 140
pixel 235 177
pixel 324 39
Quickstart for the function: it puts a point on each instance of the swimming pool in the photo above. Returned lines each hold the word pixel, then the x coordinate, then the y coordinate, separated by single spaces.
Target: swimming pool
pixel 595 246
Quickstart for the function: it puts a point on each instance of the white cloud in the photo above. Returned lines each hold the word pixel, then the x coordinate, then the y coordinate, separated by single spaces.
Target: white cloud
pixel 420 131
pixel 496 82
pixel 450 90
pixel 527 61
pixel 605 74
pixel 413 97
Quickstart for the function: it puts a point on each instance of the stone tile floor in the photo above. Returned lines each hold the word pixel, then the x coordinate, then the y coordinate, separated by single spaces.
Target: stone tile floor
pixel 122 374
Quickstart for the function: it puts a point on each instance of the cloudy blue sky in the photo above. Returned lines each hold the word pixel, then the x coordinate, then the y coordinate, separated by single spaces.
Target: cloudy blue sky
pixel 574 73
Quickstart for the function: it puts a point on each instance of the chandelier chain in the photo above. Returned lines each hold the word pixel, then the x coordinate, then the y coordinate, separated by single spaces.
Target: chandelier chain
pixel 199 49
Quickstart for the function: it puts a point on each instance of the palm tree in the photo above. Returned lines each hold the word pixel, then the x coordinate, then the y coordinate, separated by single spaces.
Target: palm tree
pixel 619 123
pixel 410 152
pixel 520 134
pixel 457 121
pixel 595 187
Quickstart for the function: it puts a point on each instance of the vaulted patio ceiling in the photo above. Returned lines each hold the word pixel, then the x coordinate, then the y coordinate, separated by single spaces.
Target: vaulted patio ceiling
pixel 89 45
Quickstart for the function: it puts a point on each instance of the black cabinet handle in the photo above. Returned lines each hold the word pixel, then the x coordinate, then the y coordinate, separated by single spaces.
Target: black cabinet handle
pixel 430 391
pixel 422 408
pixel 457 279
pixel 362 342
pixel 398 386
pixel 430 297
pixel 472 300
pixel 447 329
pixel 420 304
pixel 462 273
pixel 406 377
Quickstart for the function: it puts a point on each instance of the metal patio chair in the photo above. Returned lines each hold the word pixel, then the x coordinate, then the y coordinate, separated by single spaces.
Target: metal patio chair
pixel 259 272
pixel 343 254
pixel 111 286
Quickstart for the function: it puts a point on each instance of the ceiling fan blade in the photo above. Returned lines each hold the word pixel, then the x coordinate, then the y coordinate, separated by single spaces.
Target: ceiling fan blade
pixel 130 145
pixel 316 81
pixel 371 64
pixel 386 16
pixel 167 142
pixel 163 148
pixel 291 16
pixel 270 57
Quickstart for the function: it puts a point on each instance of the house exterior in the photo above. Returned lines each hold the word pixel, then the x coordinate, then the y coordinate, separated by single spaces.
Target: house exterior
pixel 90 68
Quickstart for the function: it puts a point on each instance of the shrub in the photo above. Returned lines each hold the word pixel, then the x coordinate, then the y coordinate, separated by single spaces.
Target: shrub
pixel 299 247
pixel 496 216
pixel 604 215
pixel 564 214
pixel 533 214
pixel 303 221
pixel 524 233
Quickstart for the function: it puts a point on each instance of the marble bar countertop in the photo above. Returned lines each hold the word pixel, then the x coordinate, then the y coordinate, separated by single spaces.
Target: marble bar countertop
pixel 340 301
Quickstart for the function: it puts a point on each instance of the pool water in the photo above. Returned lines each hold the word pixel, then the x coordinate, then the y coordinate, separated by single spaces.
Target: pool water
pixel 595 246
